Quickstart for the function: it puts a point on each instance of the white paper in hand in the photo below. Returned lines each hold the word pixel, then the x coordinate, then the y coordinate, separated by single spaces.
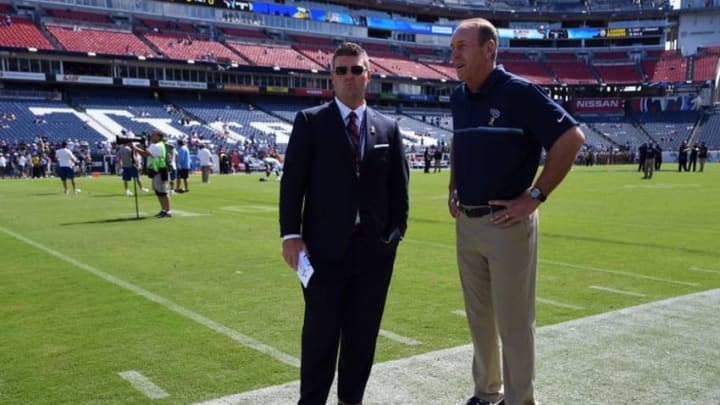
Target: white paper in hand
pixel 304 268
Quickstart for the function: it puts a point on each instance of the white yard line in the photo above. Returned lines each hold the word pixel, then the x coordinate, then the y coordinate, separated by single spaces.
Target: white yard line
pixel 616 291
pixel 701 270
pixel 619 273
pixel 245 340
pixel 143 384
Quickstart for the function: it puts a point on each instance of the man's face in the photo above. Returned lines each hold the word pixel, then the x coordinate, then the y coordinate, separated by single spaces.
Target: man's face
pixel 350 86
pixel 472 61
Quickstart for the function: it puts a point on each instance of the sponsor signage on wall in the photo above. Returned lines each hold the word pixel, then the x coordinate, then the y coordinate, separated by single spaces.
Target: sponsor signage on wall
pixel 597 105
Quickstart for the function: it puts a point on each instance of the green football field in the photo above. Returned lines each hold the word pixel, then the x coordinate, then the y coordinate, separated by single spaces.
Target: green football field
pixel 98 307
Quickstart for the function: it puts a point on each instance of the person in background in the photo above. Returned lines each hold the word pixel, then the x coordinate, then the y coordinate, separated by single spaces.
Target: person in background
pixel 427 160
pixel 130 163
pixel 344 203
pixel 683 157
pixel 692 164
pixel 502 122
pixel 650 155
pixel 183 164
pixel 702 155
pixel 172 165
pixel 206 160
pixel 3 165
pixel 66 166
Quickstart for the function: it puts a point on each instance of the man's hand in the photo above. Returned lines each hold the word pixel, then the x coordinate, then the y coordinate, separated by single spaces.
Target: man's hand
pixel 516 210
pixel 291 248
pixel 453 204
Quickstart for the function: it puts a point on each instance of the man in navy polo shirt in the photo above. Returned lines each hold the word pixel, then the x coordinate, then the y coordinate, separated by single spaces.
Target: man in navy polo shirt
pixel 502 122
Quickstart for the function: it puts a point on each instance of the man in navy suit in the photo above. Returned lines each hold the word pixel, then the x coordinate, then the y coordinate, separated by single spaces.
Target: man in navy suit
pixel 344 202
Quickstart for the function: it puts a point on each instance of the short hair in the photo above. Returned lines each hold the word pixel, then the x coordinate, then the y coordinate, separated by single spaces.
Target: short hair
pixel 158 133
pixel 351 49
pixel 486 31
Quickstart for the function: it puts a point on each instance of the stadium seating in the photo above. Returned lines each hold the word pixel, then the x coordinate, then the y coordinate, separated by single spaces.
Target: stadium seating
pixel 37 118
pixel 402 67
pixel 320 54
pixel 192 47
pixel 665 66
pixel 705 67
pixel 275 55
pixel 618 72
pixel 22 33
pixel 83 39
pixel 533 71
pixel 668 128
pixel 619 130
pixel 709 130
pixel 572 72
pixel 445 69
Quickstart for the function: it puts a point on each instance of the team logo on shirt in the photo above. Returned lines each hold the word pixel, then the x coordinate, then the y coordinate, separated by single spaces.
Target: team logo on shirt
pixel 494 114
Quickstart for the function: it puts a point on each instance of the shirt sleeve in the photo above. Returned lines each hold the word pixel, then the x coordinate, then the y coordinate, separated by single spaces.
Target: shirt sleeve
pixel 547 120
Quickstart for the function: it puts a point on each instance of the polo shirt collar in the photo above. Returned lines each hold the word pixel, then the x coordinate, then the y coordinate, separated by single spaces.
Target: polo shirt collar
pixel 488 84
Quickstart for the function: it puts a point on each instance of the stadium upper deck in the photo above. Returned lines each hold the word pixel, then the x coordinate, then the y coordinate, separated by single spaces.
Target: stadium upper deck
pixel 86 32
pixel 576 50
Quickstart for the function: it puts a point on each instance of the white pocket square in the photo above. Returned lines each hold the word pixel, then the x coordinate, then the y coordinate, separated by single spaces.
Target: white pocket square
pixel 381 145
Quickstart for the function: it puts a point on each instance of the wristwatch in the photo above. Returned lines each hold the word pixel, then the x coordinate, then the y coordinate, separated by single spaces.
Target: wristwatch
pixel 537 194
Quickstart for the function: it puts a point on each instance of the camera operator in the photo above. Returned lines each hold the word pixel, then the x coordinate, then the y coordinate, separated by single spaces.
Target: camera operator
pixel 157 170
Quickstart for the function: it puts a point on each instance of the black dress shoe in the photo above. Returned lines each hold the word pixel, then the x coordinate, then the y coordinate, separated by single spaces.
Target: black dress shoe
pixel 478 401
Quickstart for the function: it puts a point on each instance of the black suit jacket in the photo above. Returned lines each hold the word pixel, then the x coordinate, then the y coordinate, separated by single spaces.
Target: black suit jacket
pixel 320 193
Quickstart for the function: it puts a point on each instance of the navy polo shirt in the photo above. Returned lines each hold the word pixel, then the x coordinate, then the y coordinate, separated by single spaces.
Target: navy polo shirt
pixel 500 131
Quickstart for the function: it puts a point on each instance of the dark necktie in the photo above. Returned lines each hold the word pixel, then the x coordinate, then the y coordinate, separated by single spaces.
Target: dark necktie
pixel 354 133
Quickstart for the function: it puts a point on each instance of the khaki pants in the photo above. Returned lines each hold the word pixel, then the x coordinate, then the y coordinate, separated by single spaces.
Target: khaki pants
pixel 205 170
pixel 498 268
pixel 649 168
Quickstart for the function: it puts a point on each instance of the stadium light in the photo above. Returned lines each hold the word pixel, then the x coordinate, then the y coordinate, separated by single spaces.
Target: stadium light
pixel 191 62
pixel 32 49
pixel 276 68
pixel 91 54
pixel 314 70
pixel 140 57
pixel 234 65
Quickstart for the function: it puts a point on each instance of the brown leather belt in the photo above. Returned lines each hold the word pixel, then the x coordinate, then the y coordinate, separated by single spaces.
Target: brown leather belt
pixel 477 211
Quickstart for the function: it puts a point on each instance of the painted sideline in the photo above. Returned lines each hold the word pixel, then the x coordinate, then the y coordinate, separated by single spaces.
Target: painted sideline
pixel 664 351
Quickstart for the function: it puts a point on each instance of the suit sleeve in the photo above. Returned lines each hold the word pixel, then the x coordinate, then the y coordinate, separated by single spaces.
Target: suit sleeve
pixel 296 169
pixel 399 178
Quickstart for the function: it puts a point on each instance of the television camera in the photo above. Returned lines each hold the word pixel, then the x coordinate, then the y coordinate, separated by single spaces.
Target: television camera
pixel 123 140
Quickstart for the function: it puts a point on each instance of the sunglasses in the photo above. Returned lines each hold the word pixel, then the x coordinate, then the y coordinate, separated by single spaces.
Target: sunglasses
pixel 356 70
